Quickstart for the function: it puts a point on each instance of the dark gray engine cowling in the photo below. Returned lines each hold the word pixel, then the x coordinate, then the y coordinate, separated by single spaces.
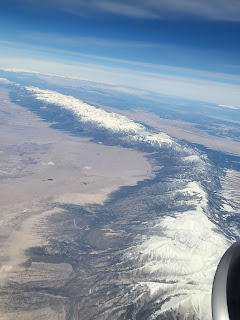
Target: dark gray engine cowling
pixel 226 286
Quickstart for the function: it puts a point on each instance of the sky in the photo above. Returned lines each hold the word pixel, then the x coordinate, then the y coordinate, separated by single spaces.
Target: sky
pixel 183 48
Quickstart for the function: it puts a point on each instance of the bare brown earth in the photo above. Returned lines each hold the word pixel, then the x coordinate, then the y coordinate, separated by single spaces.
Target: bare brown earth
pixel 41 167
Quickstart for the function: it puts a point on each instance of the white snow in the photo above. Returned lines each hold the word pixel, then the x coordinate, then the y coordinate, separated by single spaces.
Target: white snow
pixel 192 158
pixel 109 120
pixel 185 253
pixel 174 302
pixel 231 191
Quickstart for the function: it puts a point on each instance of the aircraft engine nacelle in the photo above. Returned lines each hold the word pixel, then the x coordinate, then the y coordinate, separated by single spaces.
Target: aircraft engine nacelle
pixel 226 286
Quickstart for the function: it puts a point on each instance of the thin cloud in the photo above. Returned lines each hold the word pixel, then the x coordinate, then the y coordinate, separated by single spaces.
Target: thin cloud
pixel 6 81
pixel 228 107
pixel 221 10
pixel 122 63
pixel 75 41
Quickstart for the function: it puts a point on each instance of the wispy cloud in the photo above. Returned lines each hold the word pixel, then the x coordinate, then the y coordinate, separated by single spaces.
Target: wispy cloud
pixel 228 107
pixel 119 63
pixel 151 9
pixel 6 81
pixel 75 41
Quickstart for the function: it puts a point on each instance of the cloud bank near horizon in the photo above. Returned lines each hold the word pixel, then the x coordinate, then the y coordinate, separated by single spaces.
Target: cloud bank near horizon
pixel 183 87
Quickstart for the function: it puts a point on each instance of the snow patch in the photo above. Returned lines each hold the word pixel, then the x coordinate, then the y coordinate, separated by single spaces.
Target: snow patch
pixel 192 158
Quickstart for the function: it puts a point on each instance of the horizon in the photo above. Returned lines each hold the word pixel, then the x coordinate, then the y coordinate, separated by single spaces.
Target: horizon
pixel 187 51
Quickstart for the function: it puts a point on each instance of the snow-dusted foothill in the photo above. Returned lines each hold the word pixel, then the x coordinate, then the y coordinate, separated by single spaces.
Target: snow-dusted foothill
pixel 180 261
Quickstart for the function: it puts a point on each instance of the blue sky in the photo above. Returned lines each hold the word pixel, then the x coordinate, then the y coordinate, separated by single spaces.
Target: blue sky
pixel 184 48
